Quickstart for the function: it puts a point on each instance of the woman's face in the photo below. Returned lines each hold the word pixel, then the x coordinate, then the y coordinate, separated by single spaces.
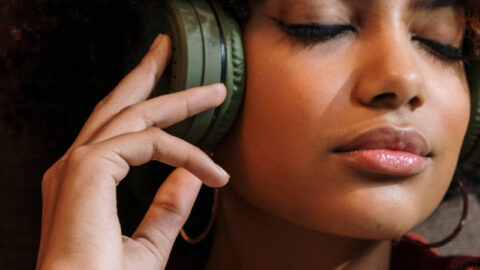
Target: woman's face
pixel 353 128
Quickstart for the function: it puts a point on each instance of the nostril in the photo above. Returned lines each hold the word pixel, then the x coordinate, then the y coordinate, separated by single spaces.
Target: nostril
pixel 385 97
pixel 390 100
pixel 415 102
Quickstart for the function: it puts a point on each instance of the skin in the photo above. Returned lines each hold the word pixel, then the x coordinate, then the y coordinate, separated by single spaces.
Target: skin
pixel 80 226
pixel 292 203
pixel 287 181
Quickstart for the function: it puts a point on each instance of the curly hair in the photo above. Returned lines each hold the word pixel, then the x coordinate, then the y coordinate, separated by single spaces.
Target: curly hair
pixel 473 27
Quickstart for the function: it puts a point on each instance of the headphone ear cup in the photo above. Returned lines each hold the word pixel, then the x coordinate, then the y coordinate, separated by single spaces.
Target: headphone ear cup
pixel 471 142
pixel 207 48
pixel 234 77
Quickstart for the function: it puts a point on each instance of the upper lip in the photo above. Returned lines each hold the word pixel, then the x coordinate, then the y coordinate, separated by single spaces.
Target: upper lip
pixel 392 138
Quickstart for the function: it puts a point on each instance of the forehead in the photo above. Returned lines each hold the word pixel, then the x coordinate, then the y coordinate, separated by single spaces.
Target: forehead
pixel 335 7
pixel 411 4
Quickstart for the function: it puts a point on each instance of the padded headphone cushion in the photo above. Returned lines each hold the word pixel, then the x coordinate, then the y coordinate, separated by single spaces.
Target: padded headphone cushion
pixel 234 77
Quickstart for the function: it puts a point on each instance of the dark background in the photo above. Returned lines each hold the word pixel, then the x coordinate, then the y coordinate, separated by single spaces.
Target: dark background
pixel 57 60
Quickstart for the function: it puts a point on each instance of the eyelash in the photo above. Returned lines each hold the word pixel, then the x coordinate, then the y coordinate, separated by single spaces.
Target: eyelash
pixel 310 34
pixel 446 52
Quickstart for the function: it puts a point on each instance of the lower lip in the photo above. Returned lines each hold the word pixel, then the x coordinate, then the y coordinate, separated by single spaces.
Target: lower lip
pixel 386 162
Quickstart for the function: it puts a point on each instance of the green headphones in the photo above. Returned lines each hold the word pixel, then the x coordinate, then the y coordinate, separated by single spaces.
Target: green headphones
pixel 207 48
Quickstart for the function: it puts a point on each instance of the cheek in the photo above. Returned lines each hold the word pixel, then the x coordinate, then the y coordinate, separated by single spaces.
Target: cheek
pixel 288 103
pixel 453 113
pixel 282 134
pixel 282 109
pixel 449 108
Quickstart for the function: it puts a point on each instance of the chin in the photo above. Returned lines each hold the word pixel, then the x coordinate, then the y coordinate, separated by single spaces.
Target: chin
pixel 375 214
pixel 385 227
pixel 379 210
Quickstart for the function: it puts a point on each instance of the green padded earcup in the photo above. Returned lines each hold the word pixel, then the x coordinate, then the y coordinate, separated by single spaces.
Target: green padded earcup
pixel 180 21
pixel 196 60
pixel 207 48
pixel 471 142
pixel 234 78
pixel 212 66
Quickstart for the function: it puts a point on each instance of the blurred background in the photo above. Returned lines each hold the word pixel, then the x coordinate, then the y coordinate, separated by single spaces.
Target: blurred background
pixel 57 60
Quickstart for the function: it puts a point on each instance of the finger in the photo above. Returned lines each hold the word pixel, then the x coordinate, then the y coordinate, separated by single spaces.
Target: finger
pixel 134 88
pixel 167 214
pixel 162 111
pixel 155 144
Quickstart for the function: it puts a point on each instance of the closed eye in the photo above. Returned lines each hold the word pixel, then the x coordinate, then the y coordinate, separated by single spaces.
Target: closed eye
pixel 312 33
pixel 445 52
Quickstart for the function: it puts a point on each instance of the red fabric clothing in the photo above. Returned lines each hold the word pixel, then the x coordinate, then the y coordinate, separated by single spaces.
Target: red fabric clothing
pixel 406 256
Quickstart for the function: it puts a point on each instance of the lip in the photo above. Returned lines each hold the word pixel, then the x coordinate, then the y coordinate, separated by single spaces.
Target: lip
pixel 388 151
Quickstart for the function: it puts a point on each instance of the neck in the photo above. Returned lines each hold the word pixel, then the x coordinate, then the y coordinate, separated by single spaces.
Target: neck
pixel 248 238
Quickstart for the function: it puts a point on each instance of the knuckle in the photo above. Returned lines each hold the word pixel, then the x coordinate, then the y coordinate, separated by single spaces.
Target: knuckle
pixel 49 173
pixel 136 113
pixel 79 155
pixel 186 106
pixel 192 154
pixel 176 214
pixel 187 159
pixel 143 117
pixel 47 178
pixel 158 141
pixel 127 110
pixel 156 133
pixel 156 247
pixel 101 103
pixel 50 177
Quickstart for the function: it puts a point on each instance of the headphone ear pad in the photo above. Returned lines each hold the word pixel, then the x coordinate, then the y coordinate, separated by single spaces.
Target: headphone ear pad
pixel 471 142
pixel 206 48
pixel 234 77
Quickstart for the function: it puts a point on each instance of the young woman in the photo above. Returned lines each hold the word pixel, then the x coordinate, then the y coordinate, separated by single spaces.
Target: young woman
pixel 350 132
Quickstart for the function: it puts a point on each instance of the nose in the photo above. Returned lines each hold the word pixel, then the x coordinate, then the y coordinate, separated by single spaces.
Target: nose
pixel 389 77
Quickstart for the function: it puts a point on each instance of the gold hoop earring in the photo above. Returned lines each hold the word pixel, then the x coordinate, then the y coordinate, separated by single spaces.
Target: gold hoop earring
pixel 457 230
pixel 198 239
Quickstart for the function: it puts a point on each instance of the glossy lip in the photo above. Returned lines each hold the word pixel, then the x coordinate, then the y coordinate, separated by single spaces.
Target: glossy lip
pixel 387 151
pixel 406 140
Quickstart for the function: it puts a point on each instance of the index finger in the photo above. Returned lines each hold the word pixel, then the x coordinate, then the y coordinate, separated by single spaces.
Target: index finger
pixel 162 111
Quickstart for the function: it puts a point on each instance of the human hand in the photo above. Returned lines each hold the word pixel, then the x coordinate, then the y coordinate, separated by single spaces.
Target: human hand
pixel 80 226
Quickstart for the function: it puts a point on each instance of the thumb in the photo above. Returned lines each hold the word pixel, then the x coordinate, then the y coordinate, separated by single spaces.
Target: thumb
pixel 167 214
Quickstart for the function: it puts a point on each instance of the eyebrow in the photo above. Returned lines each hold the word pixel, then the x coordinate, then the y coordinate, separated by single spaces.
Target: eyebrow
pixel 434 4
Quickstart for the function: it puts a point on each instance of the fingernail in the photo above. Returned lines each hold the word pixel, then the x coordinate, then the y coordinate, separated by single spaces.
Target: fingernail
pixel 157 41
pixel 222 171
